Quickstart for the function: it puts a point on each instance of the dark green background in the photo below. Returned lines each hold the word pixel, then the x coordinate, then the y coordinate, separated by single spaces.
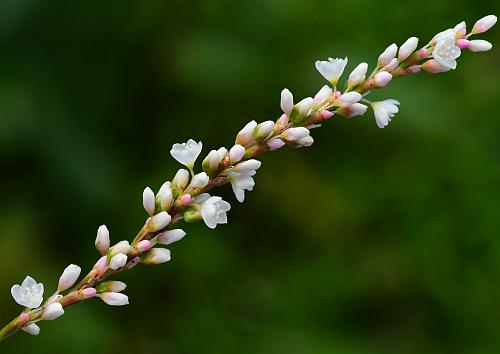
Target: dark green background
pixel 371 241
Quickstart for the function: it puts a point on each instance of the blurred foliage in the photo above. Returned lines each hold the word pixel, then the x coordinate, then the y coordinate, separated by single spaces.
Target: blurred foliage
pixel 371 241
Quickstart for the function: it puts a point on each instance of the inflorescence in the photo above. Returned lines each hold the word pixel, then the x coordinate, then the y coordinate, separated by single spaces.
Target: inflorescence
pixel 186 197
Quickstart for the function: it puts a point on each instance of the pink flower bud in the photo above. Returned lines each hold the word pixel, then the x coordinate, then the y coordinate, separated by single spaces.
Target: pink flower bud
pixel 144 245
pixel 275 144
pixel 69 277
pixel 414 69
pixel 89 292
pixel 326 114
pixel 382 78
pixel 170 236
pixel 484 24
pixel 24 317
pixel 391 66
pixel 101 265
pixel 462 43
pixel 186 199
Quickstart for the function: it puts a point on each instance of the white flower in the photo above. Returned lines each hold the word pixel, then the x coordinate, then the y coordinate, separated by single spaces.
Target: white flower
pixel 484 24
pixel 332 69
pixel 286 101
pixel 53 311
pixel 159 221
pixel 358 75
pixel 69 277
pixel 241 182
pixel 407 48
pixel 387 55
pixel 443 34
pixel 31 329
pixel 114 299
pixel 236 153
pixel 479 45
pixel 199 180
pixel 349 98
pixel 213 209
pixel 170 236
pixel 211 162
pixel 118 261
pixel 186 153
pixel 28 294
pixel 323 94
pixel 102 240
pixel 446 51
pixel 148 201
pixel 156 256
pixel 382 78
pixel 384 111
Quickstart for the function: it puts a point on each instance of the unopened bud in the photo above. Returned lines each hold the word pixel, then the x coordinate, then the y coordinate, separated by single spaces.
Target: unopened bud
pixel 433 67
pixel 211 163
pixel 349 98
pixel 236 154
pixel 102 240
pixel 186 199
pixel 275 144
pixel 181 179
pixel 200 180
pixel 88 293
pixel 144 245
pixel 479 45
pixel 263 130
pixel 158 222
pixel 113 286
pixel 387 55
pixel 245 136
pixel 32 329
pixel 247 166
pixel 114 299
pixel 292 134
pixel 358 75
pixel 382 78
pixel 156 256
pixel 118 261
pixel 170 236
pixel 53 311
pixel 101 265
pixel 281 123
pixel 120 247
pixel 407 48
pixel 165 196
pixel 484 24
pixel 69 277
pixel 148 201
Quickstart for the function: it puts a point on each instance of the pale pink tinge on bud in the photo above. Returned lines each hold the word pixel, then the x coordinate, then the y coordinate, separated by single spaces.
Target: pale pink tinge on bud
pixel 89 293
pixel 460 30
pixel 393 64
pixel 422 53
pixel 101 265
pixel 186 199
pixel 479 45
pixel 282 122
pixel 24 317
pixel 484 24
pixel 433 67
pixel 144 245
pixel 407 48
pixel 414 69
pixel 326 114
pixel 387 55
pixel 462 43
pixel 382 78
pixel 275 144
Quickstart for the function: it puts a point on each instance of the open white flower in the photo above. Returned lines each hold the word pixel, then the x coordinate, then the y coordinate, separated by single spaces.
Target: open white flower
pixel 446 51
pixel 186 153
pixel 384 111
pixel 213 209
pixel 28 294
pixel 332 69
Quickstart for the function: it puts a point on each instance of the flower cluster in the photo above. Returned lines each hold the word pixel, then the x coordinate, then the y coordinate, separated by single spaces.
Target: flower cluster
pixel 186 198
